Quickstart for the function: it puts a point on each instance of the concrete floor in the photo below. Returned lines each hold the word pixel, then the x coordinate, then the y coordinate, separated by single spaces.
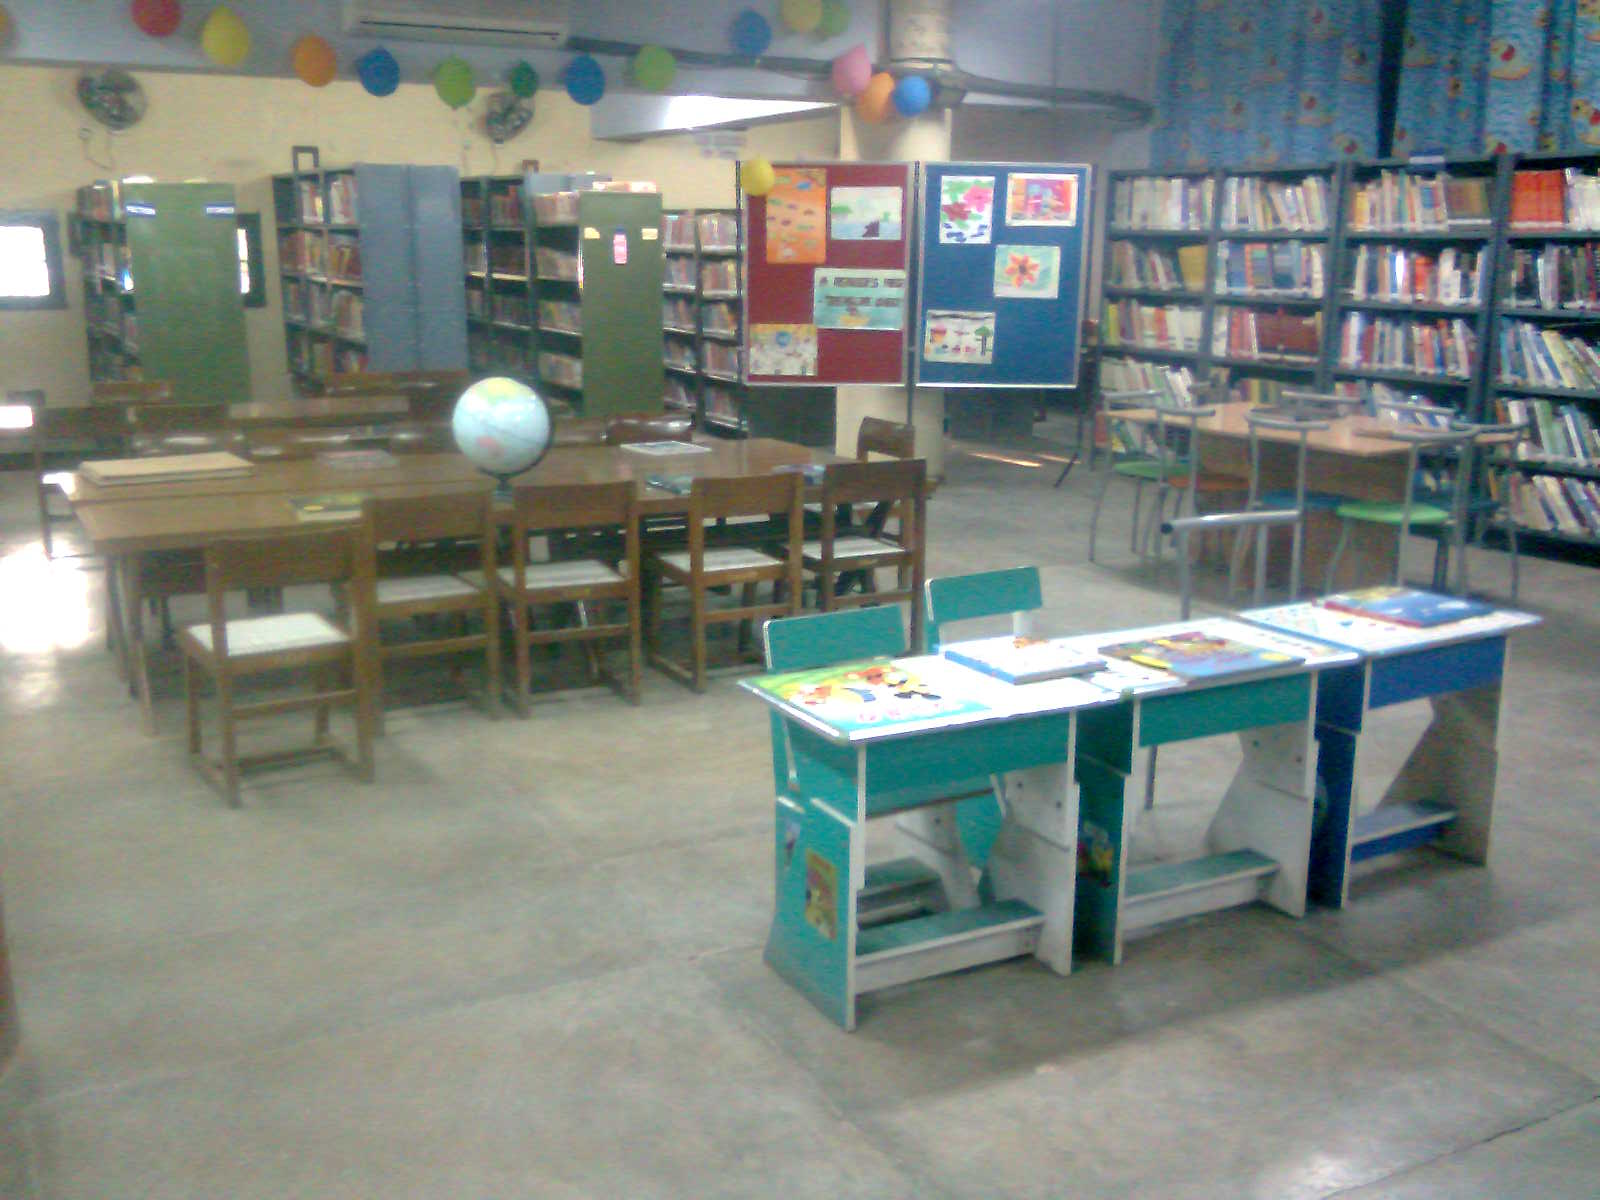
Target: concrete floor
pixel 528 962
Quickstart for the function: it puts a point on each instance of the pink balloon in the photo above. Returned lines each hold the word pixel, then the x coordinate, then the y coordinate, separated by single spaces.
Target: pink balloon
pixel 851 70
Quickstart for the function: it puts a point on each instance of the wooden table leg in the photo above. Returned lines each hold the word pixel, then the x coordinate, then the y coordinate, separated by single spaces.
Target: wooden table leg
pixel 116 631
pixel 133 603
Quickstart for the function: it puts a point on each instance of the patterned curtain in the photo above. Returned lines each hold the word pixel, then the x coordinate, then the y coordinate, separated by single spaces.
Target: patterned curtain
pixel 1488 75
pixel 1287 81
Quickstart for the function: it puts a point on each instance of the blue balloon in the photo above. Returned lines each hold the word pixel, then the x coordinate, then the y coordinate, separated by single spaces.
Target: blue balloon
pixel 378 72
pixel 752 34
pixel 585 80
pixel 911 95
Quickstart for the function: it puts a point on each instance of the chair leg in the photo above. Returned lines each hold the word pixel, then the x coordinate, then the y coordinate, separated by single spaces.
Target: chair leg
pixel 365 673
pixel 747 599
pixel 230 743
pixel 1133 531
pixel 491 656
pixel 1150 780
pixel 1099 502
pixel 697 634
pixel 519 640
pixel 1516 566
pixel 321 679
pixel 635 649
pixel 191 699
pixel 1338 553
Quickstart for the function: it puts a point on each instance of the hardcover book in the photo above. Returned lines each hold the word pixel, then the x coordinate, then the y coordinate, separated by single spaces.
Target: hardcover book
pixel 328 506
pixel 1406 606
pixel 1022 659
pixel 1194 654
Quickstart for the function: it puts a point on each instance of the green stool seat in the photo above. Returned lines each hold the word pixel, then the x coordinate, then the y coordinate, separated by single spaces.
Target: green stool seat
pixel 1391 512
pixel 1147 469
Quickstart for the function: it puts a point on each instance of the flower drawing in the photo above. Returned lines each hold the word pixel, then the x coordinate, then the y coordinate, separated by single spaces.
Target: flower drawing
pixel 1022 270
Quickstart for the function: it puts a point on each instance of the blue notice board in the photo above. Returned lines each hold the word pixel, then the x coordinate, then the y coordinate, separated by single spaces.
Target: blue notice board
pixel 1002 270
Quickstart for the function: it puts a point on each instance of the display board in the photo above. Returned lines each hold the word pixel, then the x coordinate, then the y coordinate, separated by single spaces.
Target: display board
pixel 827 296
pixel 1001 263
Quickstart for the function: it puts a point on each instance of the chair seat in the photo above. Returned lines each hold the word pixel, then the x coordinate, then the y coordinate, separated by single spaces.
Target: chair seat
pixel 851 547
pixel 722 558
pixel 411 588
pixel 575 572
pixel 1145 468
pixel 271 635
pixel 1391 512
pixel 1315 501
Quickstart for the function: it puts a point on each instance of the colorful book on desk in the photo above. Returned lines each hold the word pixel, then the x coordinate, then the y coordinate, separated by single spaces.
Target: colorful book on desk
pixel 328 506
pixel 1406 606
pixel 1023 659
pixel 870 695
pixel 678 485
pixel 1194 654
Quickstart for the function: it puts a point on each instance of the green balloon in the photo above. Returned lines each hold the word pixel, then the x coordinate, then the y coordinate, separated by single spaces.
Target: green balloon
pixel 654 68
pixel 452 79
pixel 835 18
pixel 524 80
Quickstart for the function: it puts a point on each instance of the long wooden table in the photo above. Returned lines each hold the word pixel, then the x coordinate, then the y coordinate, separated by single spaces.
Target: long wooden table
pixel 321 410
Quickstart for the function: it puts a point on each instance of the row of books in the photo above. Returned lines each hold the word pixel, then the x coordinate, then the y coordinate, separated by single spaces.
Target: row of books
pixel 1554 276
pixel 677 312
pixel 303 252
pixel 344 258
pixel 346 311
pixel 1155 202
pixel 1254 202
pixel 474 258
pixel 1441 347
pixel 1158 267
pixel 341 207
pixel 719 275
pixel 718 231
pixel 720 358
pixel 1555 198
pixel 1566 433
pixel 1292 267
pixel 1164 326
pixel 1257 333
pixel 678 273
pixel 1376 393
pixel 1544 357
pixel 679 354
pixel 675 394
pixel 508 261
pixel 677 231
pixel 562 369
pixel 560 314
pixel 557 264
pixel 509 308
pixel 719 317
pixel 1173 384
pixel 317 356
pixel 499 355
pixel 556 208
pixel 1402 200
pixel 1395 274
pixel 1546 503
pixel 723 407
pixel 505 206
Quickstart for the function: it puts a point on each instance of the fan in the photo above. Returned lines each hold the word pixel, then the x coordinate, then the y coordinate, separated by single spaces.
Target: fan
pixel 114 98
pixel 506 116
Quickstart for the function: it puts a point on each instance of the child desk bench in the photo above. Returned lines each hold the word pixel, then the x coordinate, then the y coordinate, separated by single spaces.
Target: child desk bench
pixel 1444 794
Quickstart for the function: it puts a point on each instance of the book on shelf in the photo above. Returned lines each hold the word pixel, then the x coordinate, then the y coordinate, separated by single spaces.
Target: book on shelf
pixel 1194 654
pixel 1401 274
pixel 1412 202
pixel 679 273
pixel 677 231
pixel 561 368
pixel 328 506
pixel 1160 268
pixel 1567 434
pixel 719 316
pixel 344 257
pixel 505 205
pixel 556 208
pixel 557 264
pixel 510 308
pixel 1412 607
pixel 1445 347
pixel 718 231
pixel 1253 202
pixel 1238 332
pixel 471 209
pixel 1540 356
pixel 1273 268
pixel 677 311
pixel 1163 202
pixel 1554 276
pixel 720 359
pixel 1172 384
pixel 1545 504
pixel 1538 199
pixel 1023 660
pixel 508 260
pixel 675 394
pixel 560 314
pixel 343 200
pixel 1160 326
pixel 310 197
pixel 719 275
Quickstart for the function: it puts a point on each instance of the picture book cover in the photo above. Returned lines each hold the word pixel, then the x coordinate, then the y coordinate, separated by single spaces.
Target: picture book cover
pixel 328 506
pixel 1194 654
pixel 862 696
pixel 1407 606
pixel 1023 659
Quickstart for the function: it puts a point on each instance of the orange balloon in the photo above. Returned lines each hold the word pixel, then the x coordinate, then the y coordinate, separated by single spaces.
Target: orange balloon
pixel 314 60
pixel 872 105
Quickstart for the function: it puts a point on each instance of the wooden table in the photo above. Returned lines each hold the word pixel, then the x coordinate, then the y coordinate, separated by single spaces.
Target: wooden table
pixel 1349 458
pixel 320 410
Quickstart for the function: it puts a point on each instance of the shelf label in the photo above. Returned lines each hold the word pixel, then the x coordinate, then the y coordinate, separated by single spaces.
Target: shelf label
pixel 649 233
pixel 590 233
pixel 219 210
pixel 139 210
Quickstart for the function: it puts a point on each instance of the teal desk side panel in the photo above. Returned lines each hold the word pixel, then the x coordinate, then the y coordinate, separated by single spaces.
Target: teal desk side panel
pixel 1101 813
pixel 1179 716
pixel 811 941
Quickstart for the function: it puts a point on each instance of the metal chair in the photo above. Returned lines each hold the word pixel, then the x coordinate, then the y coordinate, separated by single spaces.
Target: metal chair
pixel 1319 404
pixel 1494 453
pixel 1138 463
pixel 1297 499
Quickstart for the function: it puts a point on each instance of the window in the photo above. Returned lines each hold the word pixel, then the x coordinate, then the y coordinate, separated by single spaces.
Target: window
pixel 252 268
pixel 30 261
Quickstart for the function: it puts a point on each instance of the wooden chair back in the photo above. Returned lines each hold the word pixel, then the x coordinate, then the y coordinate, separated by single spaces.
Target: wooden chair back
pixel 1014 590
pixel 54 427
pixel 579 506
pixel 872 482
pixel 627 428
pixel 878 436
pixel 431 517
pixel 397 383
pixel 161 419
pixel 338 554
pixel 746 496
pixel 122 392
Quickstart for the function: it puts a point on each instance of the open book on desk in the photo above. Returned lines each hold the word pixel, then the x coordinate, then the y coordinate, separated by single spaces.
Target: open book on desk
pixel 1020 660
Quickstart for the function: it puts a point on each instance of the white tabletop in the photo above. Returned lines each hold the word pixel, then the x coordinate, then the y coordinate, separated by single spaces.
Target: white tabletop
pixel 1377 639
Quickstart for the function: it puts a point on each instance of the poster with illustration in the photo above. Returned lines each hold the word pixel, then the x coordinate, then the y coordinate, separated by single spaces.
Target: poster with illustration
pixel 958 337
pixel 1027 272
pixel 783 350
pixel 797 214
pixel 966 209
pixel 1041 199
pixel 850 298
pixel 865 214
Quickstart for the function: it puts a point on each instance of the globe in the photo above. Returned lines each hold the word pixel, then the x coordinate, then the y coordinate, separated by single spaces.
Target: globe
pixel 502 426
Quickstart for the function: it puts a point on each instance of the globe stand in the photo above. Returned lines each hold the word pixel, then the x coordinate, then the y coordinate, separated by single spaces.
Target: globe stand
pixel 502 488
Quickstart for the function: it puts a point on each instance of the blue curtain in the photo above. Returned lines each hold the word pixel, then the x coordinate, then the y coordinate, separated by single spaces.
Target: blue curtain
pixel 1481 76
pixel 1244 82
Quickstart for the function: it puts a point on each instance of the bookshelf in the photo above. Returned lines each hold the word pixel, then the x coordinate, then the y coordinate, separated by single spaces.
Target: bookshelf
pixel 680 313
pixel 499 295
pixel 160 266
pixel 370 264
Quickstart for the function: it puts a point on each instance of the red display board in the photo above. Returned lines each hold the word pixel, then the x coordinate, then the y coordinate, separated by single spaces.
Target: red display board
pixel 827 289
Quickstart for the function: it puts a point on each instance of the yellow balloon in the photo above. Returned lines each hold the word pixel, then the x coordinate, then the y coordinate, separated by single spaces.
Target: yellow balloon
pixel 802 16
pixel 224 37
pixel 756 176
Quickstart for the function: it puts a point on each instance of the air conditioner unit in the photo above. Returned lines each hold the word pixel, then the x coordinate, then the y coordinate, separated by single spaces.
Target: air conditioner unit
pixel 542 23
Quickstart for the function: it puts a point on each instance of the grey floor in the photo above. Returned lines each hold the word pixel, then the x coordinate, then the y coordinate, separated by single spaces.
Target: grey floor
pixel 528 962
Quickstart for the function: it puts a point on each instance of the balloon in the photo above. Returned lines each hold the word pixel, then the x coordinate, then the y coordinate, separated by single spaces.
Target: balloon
pixel 835 18
pixel 756 176
pixel 224 37
pixel 524 80
pixel 802 16
pixel 158 18
pixel 872 105
pixel 653 68
pixel 751 34
pixel 452 79
pixel 314 60
pixel 851 71
pixel 585 80
pixel 378 71
pixel 911 95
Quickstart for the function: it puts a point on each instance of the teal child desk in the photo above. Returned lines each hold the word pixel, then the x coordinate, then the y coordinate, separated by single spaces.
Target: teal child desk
pixel 1258 844
pixel 1444 793
pixel 878 739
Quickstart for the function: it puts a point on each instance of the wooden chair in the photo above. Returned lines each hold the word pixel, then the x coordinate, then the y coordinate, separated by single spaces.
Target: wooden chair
pixel 416 521
pixel 79 432
pixel 886 438
pixel 120 393
pixel 891 486
pixel 342 661
pixel 738 557
pixel 524 585
pixel 628 428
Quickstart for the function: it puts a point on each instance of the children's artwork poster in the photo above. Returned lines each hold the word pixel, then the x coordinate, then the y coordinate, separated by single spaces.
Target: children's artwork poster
pixel 797 215
pixel 958 337
pixel 1027 272
pixel 966 209
pixel 1041 199
pixel 783 349
pixel 865 214
pixel 845 298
